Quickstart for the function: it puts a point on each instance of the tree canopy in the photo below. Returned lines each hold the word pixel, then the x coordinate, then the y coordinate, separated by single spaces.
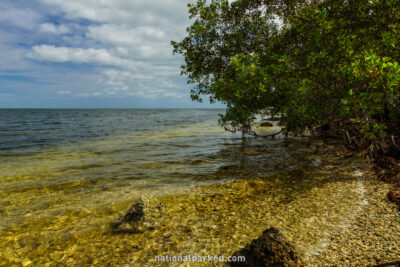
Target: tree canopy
pixel 330 66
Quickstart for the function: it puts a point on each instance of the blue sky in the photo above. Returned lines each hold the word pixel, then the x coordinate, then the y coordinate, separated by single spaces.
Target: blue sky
pixel 92 54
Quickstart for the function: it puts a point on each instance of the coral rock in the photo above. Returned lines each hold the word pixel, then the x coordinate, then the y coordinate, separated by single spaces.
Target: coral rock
pixel 271 249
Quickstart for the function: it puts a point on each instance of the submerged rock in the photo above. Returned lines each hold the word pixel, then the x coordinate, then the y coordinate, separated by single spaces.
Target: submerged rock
pixel 138 216
pixel 271 249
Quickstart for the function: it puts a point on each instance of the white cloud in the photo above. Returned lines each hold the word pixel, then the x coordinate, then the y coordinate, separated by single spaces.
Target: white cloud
pixel 23 18
pixel 128 40
pixel 149 12
pixel 135 84
pixel 140 43
pixel 77 55
pixel 124 35
pixel 54 29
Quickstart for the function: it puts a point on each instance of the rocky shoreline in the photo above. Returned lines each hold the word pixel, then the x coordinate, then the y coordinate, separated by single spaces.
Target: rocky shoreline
pixel 373 235
pixel 359 227
pixel 328 204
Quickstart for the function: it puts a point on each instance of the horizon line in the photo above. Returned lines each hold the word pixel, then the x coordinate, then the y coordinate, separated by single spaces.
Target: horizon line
pixel 109 108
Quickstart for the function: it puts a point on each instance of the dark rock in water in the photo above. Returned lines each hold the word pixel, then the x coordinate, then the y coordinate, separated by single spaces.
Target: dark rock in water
pixel 266 124
pixel 271 249
pixel 394 196
pixel 315 162
pixel 140 214
pixel 281 123
pixel 134 216
pixel 135 213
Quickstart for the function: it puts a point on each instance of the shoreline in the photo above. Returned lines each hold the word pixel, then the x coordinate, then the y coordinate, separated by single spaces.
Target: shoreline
pixel 333 209
pixel 363 227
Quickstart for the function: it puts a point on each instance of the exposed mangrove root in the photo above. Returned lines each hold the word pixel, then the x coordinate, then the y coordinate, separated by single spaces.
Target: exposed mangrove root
pixel 264 136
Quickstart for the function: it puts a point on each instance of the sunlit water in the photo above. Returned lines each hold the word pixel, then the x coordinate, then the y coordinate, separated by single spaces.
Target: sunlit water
pixel 65 175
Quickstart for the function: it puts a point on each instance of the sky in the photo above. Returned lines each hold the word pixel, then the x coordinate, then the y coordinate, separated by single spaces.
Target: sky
pixel 93 54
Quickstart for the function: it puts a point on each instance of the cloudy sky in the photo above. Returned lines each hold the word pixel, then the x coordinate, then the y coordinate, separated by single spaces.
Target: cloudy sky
pixel 92 54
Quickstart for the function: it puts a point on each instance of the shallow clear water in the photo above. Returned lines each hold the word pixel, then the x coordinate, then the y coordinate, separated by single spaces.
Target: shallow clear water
pixel 66 174
pixel 47 155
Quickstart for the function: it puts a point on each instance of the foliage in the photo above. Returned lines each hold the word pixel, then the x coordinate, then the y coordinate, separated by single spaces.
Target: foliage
pixel 328 66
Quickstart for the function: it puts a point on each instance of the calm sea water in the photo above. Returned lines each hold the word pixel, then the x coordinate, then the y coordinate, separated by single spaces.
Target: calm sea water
pixel 66 174
pixel 95 155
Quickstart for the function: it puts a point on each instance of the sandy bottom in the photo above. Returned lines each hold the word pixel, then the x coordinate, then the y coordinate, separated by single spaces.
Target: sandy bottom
pixel 335 212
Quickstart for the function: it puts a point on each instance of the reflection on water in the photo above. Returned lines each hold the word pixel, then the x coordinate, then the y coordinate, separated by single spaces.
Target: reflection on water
pixel 66 174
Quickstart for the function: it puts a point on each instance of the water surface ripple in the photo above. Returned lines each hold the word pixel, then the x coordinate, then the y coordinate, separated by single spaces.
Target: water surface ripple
pixel 66 174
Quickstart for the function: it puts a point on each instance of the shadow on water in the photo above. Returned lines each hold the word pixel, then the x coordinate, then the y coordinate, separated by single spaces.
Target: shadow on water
pixel 293 166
